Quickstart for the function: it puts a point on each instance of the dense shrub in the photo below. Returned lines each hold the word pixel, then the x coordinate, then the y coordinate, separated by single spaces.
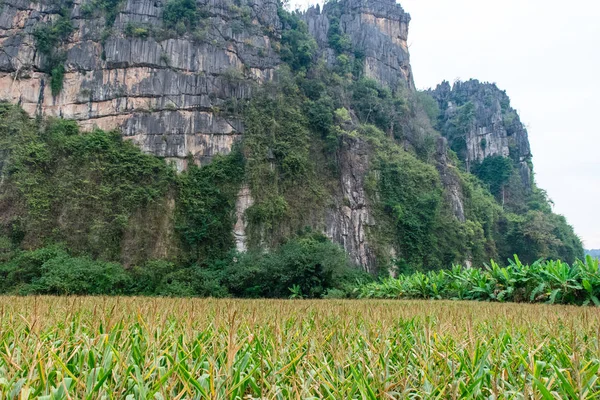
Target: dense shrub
pixel 311 264
pixel 377 105
pixel 338 40
pixel 206 206
pixel 81 189
pixel 536 234
pixel 411 195
pixel 52 270
pixel 280 151
pixel 298 47
pixel 183 12
pixel 80 275
pixel 495 172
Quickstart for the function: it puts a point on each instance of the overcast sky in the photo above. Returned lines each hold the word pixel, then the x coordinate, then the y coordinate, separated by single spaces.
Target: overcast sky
pixel 546 55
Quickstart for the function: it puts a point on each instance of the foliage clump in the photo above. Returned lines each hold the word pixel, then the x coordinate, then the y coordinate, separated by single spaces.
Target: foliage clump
pixel 495 172
pixel 298 47
pixel 307 266
pixel 102 197
pixel 206 205
pixel 180 14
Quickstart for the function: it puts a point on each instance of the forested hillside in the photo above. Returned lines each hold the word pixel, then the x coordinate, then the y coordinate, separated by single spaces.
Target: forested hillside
pixel 311 156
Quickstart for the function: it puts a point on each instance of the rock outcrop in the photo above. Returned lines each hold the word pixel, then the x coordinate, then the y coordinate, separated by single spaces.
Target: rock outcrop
pixel 479 122
pixel 243 202
pixel 378 31
pixel 450 180
pixel 161 90
pixel 348 220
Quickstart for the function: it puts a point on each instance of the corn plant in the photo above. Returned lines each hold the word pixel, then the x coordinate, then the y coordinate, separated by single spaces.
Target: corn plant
pixel 142 348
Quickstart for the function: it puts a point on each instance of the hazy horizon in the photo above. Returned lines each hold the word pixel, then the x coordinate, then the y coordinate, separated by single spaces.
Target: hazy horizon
pixel 544 55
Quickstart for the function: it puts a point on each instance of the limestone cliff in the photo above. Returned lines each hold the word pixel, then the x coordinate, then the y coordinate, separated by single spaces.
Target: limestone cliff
pixel 479 122
pixel 161 92
pixel 377 31
pixel 168 85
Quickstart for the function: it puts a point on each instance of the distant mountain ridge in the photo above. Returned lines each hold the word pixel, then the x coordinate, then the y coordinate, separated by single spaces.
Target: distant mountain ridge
pixel 594 253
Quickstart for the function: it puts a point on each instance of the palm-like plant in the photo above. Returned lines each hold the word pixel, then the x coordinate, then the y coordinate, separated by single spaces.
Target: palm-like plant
pixel 549 281
pixel 590 280
pixel 562 281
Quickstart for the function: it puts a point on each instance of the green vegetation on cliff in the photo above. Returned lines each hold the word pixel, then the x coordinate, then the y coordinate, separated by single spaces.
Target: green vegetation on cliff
pixel 321 142
pixel 91 202
pixel 49 39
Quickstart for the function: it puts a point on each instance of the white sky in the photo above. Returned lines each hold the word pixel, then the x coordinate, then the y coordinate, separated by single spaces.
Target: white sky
pixel 546 55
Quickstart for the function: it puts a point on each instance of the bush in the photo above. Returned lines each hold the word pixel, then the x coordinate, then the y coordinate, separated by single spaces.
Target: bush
pixel 411 195
pixel 180 12
pixel 51 270
pixel 25 267
pixel 298 46
pixel 374 104
pixel 67 275
pixel 338 41
pixel 206 206
pixel 311 263
pixel 135 30
pixel 495 172
pixel 147 279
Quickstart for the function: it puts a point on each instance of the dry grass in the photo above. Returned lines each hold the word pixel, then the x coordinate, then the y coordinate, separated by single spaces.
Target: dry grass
pixel 140 348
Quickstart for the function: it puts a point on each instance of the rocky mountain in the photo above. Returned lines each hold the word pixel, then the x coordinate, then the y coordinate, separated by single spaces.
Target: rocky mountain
pixel 319 109
pixel 479 123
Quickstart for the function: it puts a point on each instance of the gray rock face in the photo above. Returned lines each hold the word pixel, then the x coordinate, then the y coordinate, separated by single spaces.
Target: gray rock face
pixel 160 91
pixel 479 122
pixel 450 180
pixel 378 29
pixel 3 157
pixel 347 222
pixel 243 202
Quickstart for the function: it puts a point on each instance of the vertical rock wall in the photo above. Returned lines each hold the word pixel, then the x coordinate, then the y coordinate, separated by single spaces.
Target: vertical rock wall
pixel 377 29
pixel 161 92
pixel 492 127
pixel 349 218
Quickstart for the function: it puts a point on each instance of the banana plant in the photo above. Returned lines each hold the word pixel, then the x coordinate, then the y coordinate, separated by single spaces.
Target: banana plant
pixel 562 281
pixel 590 280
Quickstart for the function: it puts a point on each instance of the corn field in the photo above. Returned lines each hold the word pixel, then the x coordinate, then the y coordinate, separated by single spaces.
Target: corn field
pixel 552 282
pixel 143 348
